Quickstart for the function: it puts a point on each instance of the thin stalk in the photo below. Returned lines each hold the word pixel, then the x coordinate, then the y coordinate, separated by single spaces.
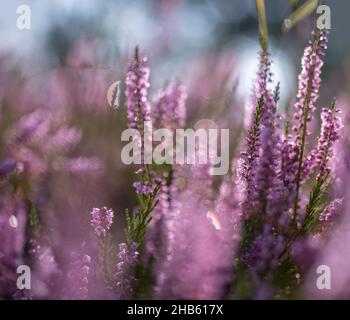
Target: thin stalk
pixel 263 32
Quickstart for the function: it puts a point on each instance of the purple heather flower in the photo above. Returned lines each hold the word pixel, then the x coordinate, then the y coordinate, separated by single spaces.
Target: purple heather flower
pixel 101 220
pixel 86 262
pixel 136 92
pixel 265 171
pixel 78 276
pixel 249 158
pixel 263 256
pixel 6 167
pixel 264 76
pixel 330 211
pixel 45 268
pixel 262 138
pixel 264 168
pixel 169 107
pixel 198 264
pixel 309 81
pixel 331 125
pixel 29 124
pixel 265 191
pixel 145 188
pixel 169 112
pixel 83 165
pixel 309 84
pixel 330 134
pixel 150 179
pixel 63 139
pixel 128 257
pixel 289 165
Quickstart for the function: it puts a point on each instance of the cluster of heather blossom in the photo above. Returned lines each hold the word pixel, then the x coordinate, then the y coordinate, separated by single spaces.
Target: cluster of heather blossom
pixel 330 133
pixel 169 107
pixel 145 188
pixel 136 91
pixel 309 81
pixel 274 168
pixel 78 276
pixel 101 220
pixel 259 232
pixel 331 210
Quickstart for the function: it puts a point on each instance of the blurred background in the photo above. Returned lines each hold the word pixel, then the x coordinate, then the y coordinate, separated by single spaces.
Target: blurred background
pixel 175 33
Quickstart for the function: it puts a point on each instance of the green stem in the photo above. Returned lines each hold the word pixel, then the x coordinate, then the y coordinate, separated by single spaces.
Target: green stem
pixel 304 131
pixel 263 33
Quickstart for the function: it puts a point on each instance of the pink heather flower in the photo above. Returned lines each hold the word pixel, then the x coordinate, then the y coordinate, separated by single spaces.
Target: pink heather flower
pixel 101 220
pixel 84 287
pixel 78 276
pixel 83 165
pixel 264 76
pixel 331 210
pixel 330 134
pixel 200 182
pixel 334 254
pixel 261 162
pixel 6 167
pixel 309 84
pixel 137 85
pixel 263 257
pixel 289 165
pixel 170 112
pixel 331 125
pixel 249 158
pixel 63 139
pixel 309 81
pixel 29 124
pixel 198 264
pixel 266 171
pixel 146 187
pixel 253 164
pixel 128 257
pixel 169 107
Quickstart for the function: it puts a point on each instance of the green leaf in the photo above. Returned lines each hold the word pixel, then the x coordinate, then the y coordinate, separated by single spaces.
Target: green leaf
pixel 315 205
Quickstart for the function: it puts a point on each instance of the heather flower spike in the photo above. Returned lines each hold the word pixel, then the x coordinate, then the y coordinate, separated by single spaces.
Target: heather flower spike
pixel 124 278
pixel 309 84
pixel 136 92
pixel 330 133
pixel 101 220
pixel 169 107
